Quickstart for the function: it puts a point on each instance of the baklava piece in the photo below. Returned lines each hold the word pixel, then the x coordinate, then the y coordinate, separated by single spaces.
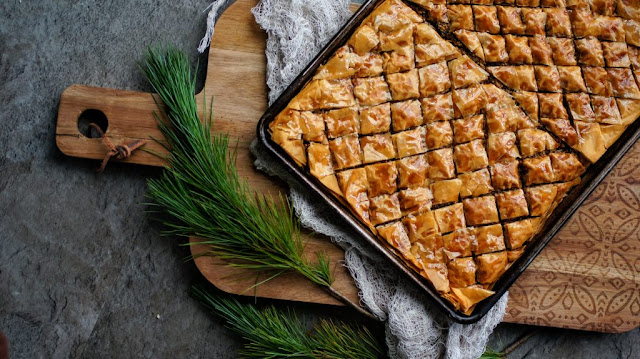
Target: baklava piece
pixel 450 218
pixel 480 210
pixel 468 129
pixel 437 108
pixel 505 176
pixel 488 239
pixel 412 171
pixel 470 156
pixel 440 164
pixel 376 148
pixel 474 184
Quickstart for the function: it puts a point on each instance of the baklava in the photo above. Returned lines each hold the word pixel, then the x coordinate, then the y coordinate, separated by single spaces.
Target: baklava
pixel 452 129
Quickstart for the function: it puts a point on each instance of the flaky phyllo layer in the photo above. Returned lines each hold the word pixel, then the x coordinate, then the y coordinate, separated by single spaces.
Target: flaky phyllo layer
pixel 454 137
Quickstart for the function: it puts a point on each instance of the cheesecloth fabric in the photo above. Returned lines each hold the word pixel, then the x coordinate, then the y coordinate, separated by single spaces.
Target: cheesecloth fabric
pixel 297 30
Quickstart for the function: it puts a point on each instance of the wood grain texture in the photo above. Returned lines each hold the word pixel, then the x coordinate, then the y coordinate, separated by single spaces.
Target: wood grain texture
pixel 588 277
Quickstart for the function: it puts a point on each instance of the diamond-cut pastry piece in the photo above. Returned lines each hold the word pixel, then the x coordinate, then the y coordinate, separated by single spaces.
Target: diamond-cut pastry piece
pixel 396 40
pixel 398 60
pixel 504 175
pixel 313 127
pixel 404 85
pixel 518 49
pixel 468 101
pixel 417 199
pixel 502 147
pixel 605 110
pixel 512 204
pixel 465 72
pixel 405 115
pixel 440 164
pixel 596 80
pixel 354 186
pixel 580 107
pixel 438 134
pixel 468 129
pixel 623 83
pixel 528 101
pixel 488 239
pixel 541 198
pixel 421 226
pixel 450 218
pixel 364 39
pixel 384 208
pixel 434 79
pixel 590 52
pixel 396 235
pixel 493 47
pixel 462 272
pixel 566 166
pixel 591 142
pixel 540 50
pixel 324 94
pixel 342 122
pixel 371 91
pixel 519 232
pixel 510 20
pixel 437 108
pixel 490 266
pixel 319 160
pixel 430 47
pixel 446 191
pixel 611 28
pixel 584 23
pixel 616 54
pixel 410 142
pixel 515 77
pixel 459 243
pixel 341 65
pixel 470 156
pixel 369 65
pixel 480 210
pixel 533 141
pixel 486 19
pixel 412 171
pixel 475 184
pixel 534 21
pixel 375 119
pixel 460 17
pixel 346 152
pixel 558 23
pixel 377 148
pixel 471 41
pixel 571 79
pixel 548 78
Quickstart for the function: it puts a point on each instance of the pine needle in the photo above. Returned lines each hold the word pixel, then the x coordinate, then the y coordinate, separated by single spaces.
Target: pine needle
pixel 270 333
pixel 200 190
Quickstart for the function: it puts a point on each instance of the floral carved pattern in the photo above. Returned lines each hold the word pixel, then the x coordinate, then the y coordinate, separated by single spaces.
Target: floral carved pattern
pixel 588 276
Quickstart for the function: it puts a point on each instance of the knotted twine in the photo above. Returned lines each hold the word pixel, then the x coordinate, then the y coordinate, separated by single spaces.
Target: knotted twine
pixel 297 30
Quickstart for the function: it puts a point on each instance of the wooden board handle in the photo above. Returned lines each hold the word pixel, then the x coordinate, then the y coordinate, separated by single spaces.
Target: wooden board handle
pixel 129 117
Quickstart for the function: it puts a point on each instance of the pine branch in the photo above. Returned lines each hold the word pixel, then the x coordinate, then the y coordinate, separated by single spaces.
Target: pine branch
pixel 270 333
pixel 202 195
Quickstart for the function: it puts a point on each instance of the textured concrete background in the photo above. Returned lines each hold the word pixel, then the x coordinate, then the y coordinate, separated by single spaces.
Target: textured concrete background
pixel 83 272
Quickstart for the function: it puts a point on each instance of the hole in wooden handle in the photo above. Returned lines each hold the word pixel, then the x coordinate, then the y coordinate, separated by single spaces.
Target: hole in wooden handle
pixel 87 117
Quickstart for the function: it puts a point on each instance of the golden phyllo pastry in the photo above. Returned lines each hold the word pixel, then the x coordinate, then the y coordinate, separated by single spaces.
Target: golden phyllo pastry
pixel 456 156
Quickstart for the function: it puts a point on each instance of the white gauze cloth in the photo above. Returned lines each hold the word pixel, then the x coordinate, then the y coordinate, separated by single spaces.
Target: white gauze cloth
pixel 297 30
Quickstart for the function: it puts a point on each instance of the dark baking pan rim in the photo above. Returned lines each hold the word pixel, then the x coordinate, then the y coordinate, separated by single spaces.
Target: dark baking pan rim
pixel 590 180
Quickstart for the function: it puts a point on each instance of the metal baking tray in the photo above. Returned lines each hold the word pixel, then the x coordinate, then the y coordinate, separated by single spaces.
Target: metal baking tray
pixel 590 180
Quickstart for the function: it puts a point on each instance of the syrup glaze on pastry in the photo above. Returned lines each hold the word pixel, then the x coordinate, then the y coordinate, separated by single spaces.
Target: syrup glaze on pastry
pixel 456 157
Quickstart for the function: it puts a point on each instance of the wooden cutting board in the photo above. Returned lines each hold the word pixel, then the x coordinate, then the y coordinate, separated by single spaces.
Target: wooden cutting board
pixel 587 278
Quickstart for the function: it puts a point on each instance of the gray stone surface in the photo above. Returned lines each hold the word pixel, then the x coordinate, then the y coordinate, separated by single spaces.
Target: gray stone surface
pixel 83 272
